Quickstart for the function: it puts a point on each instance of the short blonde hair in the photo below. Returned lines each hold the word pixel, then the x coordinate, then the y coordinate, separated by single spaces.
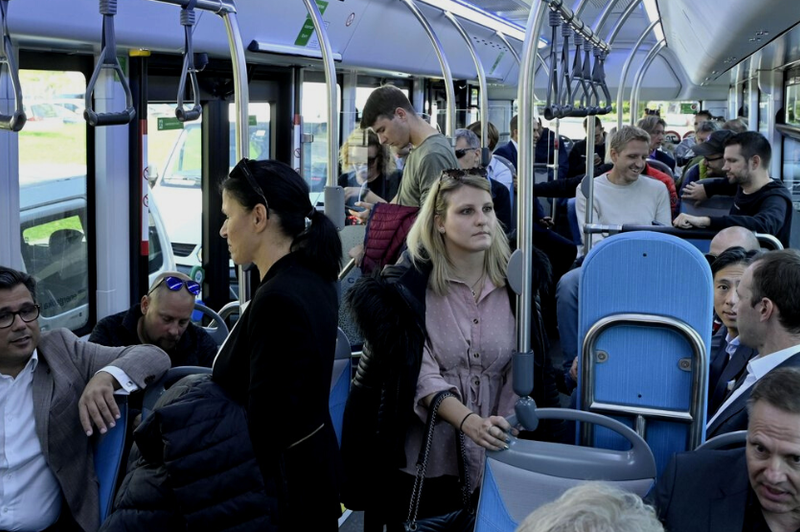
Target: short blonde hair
pixel 593 507
pixel 426 243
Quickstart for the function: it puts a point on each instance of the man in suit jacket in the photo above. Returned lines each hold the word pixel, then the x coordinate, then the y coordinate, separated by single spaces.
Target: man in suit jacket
pixel 768 318
pixel 728 357
pixel 751 490
pixel 54 390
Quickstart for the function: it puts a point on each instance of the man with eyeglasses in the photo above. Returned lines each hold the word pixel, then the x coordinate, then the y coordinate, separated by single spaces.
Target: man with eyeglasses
pixel 712 149
pixel 54 391
pixel 162 318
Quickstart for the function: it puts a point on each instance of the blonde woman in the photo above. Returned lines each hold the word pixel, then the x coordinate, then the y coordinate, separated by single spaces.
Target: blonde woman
pixel 440 320
pixel 368 169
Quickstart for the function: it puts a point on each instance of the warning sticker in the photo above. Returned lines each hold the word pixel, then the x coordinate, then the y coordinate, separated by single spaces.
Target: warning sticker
pixel 308 26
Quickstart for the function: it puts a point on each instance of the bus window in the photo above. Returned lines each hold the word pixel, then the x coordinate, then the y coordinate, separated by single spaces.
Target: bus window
pixel 52 179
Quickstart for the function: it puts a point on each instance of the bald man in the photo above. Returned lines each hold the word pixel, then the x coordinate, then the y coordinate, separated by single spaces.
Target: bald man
pixel 162 318
pixel 732 237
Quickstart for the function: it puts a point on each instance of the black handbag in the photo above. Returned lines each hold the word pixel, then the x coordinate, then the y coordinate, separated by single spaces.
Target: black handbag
pixel 462 520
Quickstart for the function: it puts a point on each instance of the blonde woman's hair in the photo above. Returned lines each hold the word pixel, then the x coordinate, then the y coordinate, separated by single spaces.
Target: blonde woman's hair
pixel 593 507
pixel 368 138
pixel 426 243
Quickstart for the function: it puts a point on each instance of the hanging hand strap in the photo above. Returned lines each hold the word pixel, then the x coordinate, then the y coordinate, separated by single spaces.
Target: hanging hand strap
pixel 16 120
pixel 565 85
pixel 599 78
pixel 189 70
pixel 108 60
pixel 551 107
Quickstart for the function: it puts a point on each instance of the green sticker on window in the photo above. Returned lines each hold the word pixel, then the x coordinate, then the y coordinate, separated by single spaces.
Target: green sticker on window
pixel 308 26
pixel 166 123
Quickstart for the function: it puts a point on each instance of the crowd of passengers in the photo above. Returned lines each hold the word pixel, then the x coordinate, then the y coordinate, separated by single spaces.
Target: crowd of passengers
pixel 251 445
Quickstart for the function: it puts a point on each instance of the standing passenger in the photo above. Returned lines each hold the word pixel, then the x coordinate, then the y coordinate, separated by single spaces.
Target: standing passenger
pixel 439 320
pixel 278 359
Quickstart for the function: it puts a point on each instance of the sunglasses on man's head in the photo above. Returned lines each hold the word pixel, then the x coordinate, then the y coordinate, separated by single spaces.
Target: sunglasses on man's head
pixel 174 284
pixel 243 168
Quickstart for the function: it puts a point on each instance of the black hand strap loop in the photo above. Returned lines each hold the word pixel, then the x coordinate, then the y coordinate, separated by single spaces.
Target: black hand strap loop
pixel 16 120
pixel 108 60
pixel 189 70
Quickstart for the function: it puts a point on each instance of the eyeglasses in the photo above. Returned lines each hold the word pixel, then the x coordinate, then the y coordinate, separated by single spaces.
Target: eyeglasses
pixel 712 159
pixel 26 314
pixel 176 283
pixel 243 168
pixel 462 152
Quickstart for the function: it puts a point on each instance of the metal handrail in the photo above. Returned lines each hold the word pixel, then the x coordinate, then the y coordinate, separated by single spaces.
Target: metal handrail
pixel 693 417
pixel 16 120
pixel 624 73
pixel 637 83
pixel 108 60
pixel 450 113
pixel 484 100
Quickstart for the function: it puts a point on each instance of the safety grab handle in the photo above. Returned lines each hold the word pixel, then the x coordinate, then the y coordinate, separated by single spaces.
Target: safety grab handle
pixel 16 120
pixel 108 60
pixel 188 71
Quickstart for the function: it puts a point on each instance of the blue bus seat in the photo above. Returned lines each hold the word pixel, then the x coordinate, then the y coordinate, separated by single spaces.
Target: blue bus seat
pixel 644 327
pixel 729 440
pixel 340 383
pixel 216 329
pixel 661 167
pixel 109 455
pixel 155 390
pixel 574 225
pixel 713 206
pixel 347 279
pixel 530 473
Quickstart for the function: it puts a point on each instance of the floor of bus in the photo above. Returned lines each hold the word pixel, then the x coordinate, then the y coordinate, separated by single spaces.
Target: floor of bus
pixel 354 521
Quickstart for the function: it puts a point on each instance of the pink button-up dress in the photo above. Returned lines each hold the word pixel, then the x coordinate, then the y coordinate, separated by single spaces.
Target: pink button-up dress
pixel 468 352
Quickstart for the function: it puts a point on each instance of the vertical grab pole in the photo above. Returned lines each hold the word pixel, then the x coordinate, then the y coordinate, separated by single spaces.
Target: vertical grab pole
pixel 484 100
pixel 637 83
pixel 450 116
pixel 523 363
pixel 624 74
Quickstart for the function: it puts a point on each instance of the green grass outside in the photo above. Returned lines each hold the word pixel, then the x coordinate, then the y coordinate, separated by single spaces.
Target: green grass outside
pixel 65 145
pixel 40 234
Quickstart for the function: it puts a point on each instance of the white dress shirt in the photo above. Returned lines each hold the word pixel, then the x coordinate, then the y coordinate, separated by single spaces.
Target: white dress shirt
pixel 30 496
pixel 757 368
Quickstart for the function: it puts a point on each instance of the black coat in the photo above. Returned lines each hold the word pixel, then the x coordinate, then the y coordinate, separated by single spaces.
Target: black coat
pixel 278 362
pixel 196 469
pixel 389 309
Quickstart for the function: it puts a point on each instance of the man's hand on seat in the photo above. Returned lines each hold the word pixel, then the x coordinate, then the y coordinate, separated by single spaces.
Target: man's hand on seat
pixel 686 221
pixel 694 191
pixel 97 405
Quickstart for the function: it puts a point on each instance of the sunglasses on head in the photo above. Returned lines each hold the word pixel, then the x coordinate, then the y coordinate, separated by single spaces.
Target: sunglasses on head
pixel 243 168
pixel 174 284
pixel 459 174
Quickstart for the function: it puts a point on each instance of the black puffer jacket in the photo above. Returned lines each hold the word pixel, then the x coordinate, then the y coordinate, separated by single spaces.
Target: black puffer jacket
pixel 196 470
pixel 390 311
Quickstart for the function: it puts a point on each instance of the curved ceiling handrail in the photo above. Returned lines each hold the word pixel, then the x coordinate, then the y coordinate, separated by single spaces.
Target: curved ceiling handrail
pixel 16 120
pixel 637 84
pixel 484 99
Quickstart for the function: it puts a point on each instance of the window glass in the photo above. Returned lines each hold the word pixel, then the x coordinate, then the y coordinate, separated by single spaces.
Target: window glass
pixel 763 112
pixel 156 257
pixel 791 168
pixel 792 105
pixel 52 178
pixel 314 109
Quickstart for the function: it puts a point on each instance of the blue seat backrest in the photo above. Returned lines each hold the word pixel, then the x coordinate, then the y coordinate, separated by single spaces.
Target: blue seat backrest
pixel 109 453
pixel 340 384
pixel 649 273
pixel 574 226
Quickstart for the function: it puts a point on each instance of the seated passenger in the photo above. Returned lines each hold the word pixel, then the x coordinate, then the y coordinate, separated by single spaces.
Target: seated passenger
pixel 728 357
pixel 593 507
pixel 712 152
pixel 440 319
pixel 545 141
pixel 768 320
pixel 620 197
pixel 737 125
pixel 369 169
pixel 56 388
pixel 499 168
pixel 761 204
pixel 654 125
pixel 468 151
pixel 683 151
pixel 752 489
pixel 162 318
pixel 577 156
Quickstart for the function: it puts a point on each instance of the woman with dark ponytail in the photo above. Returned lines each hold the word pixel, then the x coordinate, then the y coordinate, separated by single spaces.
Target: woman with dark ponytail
pixel 278 359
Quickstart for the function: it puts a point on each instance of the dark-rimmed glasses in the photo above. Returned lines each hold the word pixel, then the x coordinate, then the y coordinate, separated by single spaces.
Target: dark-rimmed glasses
pixel 460 153
pixel 712 159
pixel 176 283
pixel 26 314
pixel 243 167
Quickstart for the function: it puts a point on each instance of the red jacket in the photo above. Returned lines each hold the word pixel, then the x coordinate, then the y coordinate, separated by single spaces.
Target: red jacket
pixel 387 228
pixel 670 184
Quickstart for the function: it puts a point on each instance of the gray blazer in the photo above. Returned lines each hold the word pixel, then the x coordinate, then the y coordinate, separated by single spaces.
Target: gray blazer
pixel 65 365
